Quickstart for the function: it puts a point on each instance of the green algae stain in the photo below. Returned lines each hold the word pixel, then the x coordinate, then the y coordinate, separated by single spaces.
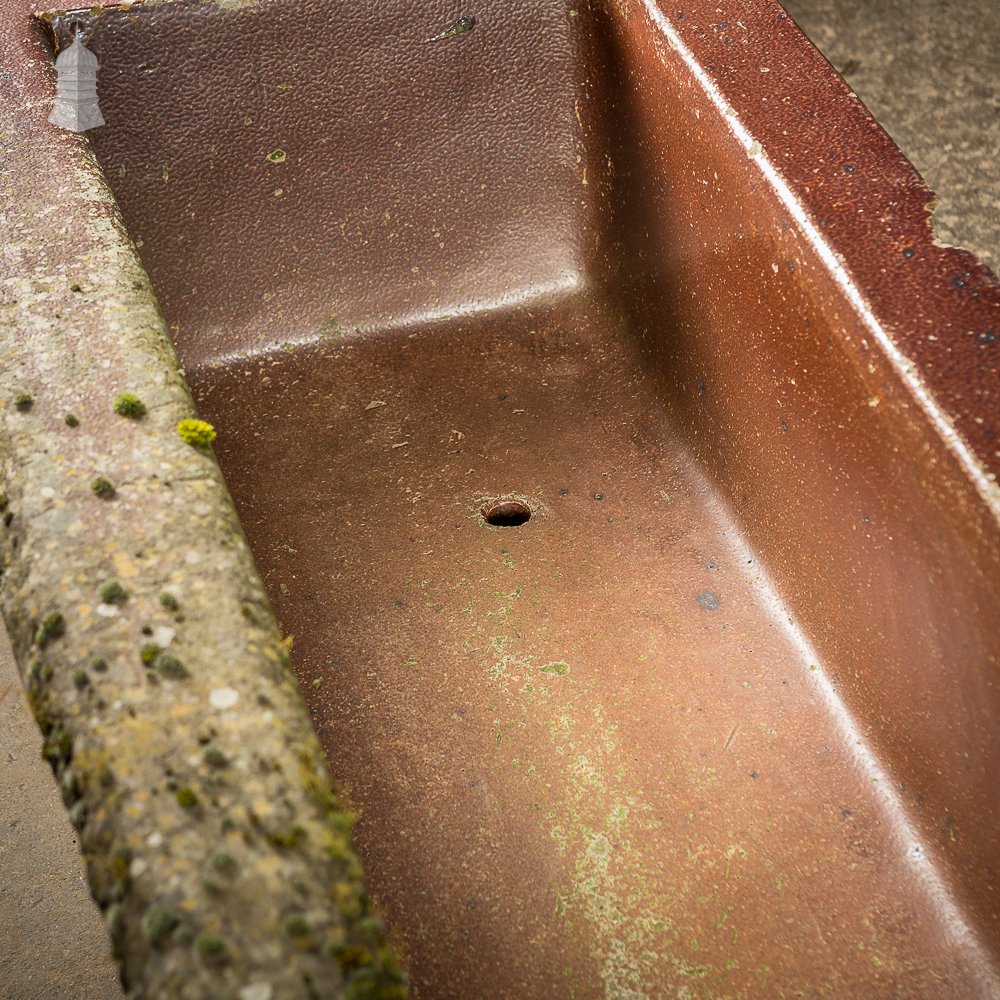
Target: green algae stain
pixel 559 668
pixel 594 816
pixel 606 889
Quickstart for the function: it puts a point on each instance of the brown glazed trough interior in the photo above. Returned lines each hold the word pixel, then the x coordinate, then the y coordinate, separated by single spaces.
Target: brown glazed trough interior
pixel 718 718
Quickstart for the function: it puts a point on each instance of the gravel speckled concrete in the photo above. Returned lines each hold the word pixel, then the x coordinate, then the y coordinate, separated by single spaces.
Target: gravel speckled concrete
pixel 929 72
pixel 214 843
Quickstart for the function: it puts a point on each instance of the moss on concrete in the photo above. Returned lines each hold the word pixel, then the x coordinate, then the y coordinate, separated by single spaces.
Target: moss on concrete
pixel 128 404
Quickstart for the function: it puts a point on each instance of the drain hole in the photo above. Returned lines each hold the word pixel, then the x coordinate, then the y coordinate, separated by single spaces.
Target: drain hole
pixel 506 512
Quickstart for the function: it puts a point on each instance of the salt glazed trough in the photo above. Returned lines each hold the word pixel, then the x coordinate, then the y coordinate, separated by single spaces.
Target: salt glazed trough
pixel 503 493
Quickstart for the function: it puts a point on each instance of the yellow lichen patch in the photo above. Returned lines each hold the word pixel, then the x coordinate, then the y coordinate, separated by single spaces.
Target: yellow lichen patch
pixel 268 867
pixel 262 808
pixel 124 568
pixel 198 433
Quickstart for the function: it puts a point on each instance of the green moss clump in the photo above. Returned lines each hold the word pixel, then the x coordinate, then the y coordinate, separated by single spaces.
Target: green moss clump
pixel 158 924
pixel 297 925
pixel 71 420
pixel 50 627
pixel 24 401
pixel 128 404
pixel 349 956
pixel 198 433
pixel 288 838
pixel 187 798
pixel 99 664
pixel 34 668
pixel 119 861
pixel 169 601
pixel 103 488
pixel 370 928
pixel 223 861
pixel 371 974
pixel 349 897
pixel 363 985
pixel 366 984
pixel 170 667
pixel 211 948
pixel 81 678
pixel 112 592
pixel 148 652
pixel 58 746
pixel 214 757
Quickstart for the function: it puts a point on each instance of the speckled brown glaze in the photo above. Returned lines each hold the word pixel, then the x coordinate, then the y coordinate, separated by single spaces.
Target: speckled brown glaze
pixel 719 718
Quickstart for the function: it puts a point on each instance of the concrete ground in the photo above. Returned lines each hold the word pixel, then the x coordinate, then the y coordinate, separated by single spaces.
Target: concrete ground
pixel 53 945
pixel 928 71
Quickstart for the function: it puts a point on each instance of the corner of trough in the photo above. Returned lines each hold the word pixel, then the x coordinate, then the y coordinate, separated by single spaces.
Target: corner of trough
pixel 215 844
pixel 932 309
